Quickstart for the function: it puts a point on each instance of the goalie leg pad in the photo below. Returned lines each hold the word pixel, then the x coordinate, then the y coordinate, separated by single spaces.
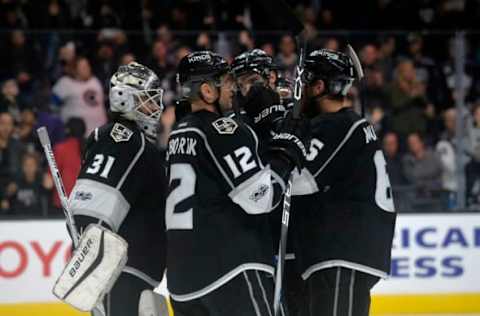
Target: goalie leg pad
pixel 93 269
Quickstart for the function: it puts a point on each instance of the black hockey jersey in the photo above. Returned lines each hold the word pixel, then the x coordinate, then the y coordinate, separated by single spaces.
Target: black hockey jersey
pixel 122 183
pixel 217 209
pixel 343 206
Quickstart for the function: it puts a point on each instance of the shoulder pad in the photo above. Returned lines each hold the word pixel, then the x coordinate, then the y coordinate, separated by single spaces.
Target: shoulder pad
pixel 120 133
pixel 225 125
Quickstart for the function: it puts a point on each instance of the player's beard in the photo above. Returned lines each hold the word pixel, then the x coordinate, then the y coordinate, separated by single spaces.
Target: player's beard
pixel 311 106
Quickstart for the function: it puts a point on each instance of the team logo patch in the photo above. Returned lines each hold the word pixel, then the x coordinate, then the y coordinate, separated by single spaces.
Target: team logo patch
pixel 120 133
pixel 260 193
pixel 225 125
pixel 83 196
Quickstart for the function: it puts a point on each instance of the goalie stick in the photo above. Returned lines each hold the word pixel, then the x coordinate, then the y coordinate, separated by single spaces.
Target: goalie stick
pixel 47 148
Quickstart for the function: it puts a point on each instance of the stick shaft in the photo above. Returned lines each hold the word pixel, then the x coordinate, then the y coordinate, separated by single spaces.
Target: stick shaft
pixel 57 179
pixel 282 247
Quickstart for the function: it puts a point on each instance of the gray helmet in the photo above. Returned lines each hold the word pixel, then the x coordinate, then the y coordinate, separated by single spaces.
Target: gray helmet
pixel 136 95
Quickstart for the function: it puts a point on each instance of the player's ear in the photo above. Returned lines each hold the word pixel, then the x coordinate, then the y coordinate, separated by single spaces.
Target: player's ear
pixel 318 87
pixel 208 93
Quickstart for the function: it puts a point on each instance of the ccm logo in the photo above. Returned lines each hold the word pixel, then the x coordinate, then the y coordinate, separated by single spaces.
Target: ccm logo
pixel 25 254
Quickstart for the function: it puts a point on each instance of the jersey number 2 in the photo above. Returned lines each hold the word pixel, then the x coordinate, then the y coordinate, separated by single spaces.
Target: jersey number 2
pixel 383 191
pixel 186 177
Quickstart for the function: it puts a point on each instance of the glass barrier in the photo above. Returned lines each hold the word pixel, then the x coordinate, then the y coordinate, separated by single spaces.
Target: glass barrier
pixel 421 92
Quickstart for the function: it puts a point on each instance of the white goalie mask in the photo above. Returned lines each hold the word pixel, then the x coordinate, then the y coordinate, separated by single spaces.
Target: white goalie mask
pixel 135 93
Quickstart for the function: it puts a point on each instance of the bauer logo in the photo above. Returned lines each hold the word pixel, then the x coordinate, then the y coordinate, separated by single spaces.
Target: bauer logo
pixel 79 257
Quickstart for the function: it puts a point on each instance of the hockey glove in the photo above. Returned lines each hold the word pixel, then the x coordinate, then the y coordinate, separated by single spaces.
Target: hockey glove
pixel 292 141
pixel 263 106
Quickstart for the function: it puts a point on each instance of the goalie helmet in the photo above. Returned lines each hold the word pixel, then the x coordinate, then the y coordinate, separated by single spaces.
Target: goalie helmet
pixel 254 61
pixel 197 68
pixel 332 67
pixel 136 95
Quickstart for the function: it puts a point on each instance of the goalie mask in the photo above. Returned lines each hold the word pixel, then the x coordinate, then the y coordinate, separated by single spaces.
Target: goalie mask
pixel 136 95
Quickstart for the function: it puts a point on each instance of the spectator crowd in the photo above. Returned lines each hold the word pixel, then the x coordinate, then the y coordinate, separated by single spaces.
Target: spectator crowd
pixel 56 59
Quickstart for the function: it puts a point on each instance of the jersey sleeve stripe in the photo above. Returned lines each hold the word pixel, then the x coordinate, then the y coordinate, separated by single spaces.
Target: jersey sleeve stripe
pixel 98 200
pixel 209 149
pixel 132 164
pixel 342 143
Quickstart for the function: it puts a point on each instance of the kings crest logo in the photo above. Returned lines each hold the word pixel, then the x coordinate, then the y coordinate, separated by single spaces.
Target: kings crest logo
pixel 120 133
pixel 225 125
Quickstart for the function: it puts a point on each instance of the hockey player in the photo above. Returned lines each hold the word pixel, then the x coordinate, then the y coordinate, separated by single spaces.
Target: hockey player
pixel 344 209
pixel 260 102
pixel 220 256
pixel 122 185
pixel 265 111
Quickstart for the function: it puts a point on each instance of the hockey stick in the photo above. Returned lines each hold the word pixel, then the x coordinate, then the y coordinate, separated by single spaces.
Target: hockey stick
pixel 358 72
pixel 47 148
pixel 282 248
pixel 57 178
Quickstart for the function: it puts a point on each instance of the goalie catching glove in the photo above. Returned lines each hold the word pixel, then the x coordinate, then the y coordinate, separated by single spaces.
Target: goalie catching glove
pixel 93 269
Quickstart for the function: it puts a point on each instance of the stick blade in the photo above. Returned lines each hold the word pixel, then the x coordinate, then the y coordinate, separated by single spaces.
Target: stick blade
pixel 356 62
pixel 43 136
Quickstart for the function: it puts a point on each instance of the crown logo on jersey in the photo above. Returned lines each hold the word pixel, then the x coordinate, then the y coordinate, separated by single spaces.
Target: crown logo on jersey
pixel 120 133
pixel 225 125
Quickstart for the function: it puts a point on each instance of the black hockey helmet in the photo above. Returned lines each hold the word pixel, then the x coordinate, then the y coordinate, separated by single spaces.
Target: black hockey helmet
pixel 253 61
pixel 333 67
pixel 199 67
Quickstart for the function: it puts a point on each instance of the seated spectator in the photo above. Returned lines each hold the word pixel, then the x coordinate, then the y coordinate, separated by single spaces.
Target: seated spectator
pixel 287 56
pixel 406 98
pixel 446 151
pixel 427 71
pixel 369 56
pixel 394 159
pixel 158 61
pixel 26 130
pixel 421 166
pixel 27 193
pixel 386 56
pixel 9 101
pixel 472 169
pixel 11 150
pixel 127 58
pixel 81 96
pixel 68 154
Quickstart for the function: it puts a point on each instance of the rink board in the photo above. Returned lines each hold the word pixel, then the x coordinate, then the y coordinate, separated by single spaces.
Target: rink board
pixel 435 266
